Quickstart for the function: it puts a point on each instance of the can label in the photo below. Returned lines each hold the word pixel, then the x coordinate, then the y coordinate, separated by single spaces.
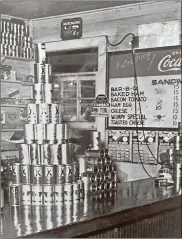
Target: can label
pixel 46 154
pixel 55 113
pixel 24 154
pixel 32 113
pixel 76 191
pixel 35 154
pixel 37 195
pixel 65 153
pixel 48 93
pixel 44 113
pixel 68 192
pixel 25 173
pixel 75 171
pixel 57 154
pixel 40 53
pixel 48 195
pixel 60 133
pixel 51 132
pixel 39 70
pixel 39 93
pixel 40 133
pixel 15 173
pixel 49 174
pixel 58 194
pixel 37 173
pixel 26 197
pixel 14 194
pixel 60 174
pixel 29 133
pixel 69 173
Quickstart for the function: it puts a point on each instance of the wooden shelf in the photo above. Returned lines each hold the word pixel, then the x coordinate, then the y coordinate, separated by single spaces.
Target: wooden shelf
pixel 18 82
pixel 11 130
pixel 16 58
pixel 18 106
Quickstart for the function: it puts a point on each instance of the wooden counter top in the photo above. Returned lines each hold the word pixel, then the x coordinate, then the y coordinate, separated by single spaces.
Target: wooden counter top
pixel 133 201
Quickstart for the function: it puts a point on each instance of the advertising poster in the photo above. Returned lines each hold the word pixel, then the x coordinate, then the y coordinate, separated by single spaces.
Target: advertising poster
pixel 157 103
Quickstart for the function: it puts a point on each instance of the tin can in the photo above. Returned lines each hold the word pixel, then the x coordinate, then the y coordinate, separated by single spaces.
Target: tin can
pixel 93 178
pixel 59 194
pixel 40 53
pixel 26 194
pixel 111 167
pixel 37 211
pixel 108 186
pixel 48 73
pixel 37 174
pixel 14 190
pixel 98 161
pixel 46 154
pixel 82 163
pixel 76 191
pixel 56 154
pixel 29 133
pixel 25 173
pixel 75 171
pixel 15 215
pixel 39 71
pixel 68 192
pixel 37 195
pixel 100 187
pixel 60 133
pixel 49 216
pixel 32 111
pixel 87 182
pixel 60 174
pixel 93 188
pixel 24 155
pixel 15 173
pixel 107 176
pixel 48 93
pixel 69 173
pixel 65 154
pixel 39 93
pixel 48 195
pixel 104 168
pixel 40 133
pixel 107 160
pixel 26 211
pixel 49 174
pixel 113 185
pixel 95 153
pixel 35 154
pixel 51 133
pixel 99 177
pixel 44 113
pixel 81 187
pixel 95 140
pixel 55 113
pixel 91 168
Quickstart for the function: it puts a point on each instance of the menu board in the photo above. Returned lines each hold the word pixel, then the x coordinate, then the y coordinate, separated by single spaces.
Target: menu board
pixel 157 102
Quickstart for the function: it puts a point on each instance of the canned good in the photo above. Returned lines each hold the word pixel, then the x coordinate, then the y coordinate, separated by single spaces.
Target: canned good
pixel 56 153
pixel 26 194
pixel 37 174
pixel 100 187
pixel 55 113
pixel 113 185
pixel 81 187
pixel 49 174
pixel 39 70
pixel 51 133
pixel 87 182
pixel 93 188
pixel 108 186
pixel 107 160
pixel 104 168
pixel 69 173
pixel 60 133
pixel 76 191
pixel 37 212
pixel 93 178
pixel 40 133
pixel 65 154
pixel 27 217
pixel 39 93
pixel 68 192
pixel 99 177
pixel 24 155
pixel 25 173
pixel 37 195
pixel 35 153
pixel 107 176
pixel 32 110
pixel 44 113
pixel 82 163
pixel 15 173
pixel 40 53
pixel 95 140
pixel 29 133
pixel 95 153
pixel 60 174
pixel 15 215
pixel 91 168
pixel 48 93
pixel 75 171
pixel 98 161
pixel 48 195
pixel 111 167
pixel 14 190
pixel 46 154
pixel 58 194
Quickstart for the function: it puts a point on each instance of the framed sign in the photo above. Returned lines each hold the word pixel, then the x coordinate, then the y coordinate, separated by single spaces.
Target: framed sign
pixel 158 73
pixel 71 29
pixel 100 106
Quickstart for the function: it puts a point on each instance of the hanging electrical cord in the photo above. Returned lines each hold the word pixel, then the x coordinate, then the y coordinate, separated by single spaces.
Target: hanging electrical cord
pixel 133 36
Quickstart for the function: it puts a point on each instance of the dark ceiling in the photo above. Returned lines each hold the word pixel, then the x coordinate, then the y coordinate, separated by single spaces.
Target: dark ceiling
pixel 31 9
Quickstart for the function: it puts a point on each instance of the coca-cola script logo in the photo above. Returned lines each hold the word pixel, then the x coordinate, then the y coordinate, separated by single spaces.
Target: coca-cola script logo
pixel 169 63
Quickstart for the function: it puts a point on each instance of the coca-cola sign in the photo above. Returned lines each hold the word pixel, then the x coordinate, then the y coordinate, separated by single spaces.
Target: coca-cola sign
pixel 169 63
pixel 148 62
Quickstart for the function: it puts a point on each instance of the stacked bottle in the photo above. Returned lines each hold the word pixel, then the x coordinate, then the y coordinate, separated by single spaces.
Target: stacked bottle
pixel 100 177
pixel 47 173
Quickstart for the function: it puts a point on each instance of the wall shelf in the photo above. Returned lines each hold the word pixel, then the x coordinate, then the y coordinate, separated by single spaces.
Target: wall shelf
pixel 16 58
pixel 18 106
pixel 11 130
pixel 18 82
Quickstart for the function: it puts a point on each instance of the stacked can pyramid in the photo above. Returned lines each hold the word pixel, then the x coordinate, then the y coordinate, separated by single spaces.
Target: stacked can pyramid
pixel 47 173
